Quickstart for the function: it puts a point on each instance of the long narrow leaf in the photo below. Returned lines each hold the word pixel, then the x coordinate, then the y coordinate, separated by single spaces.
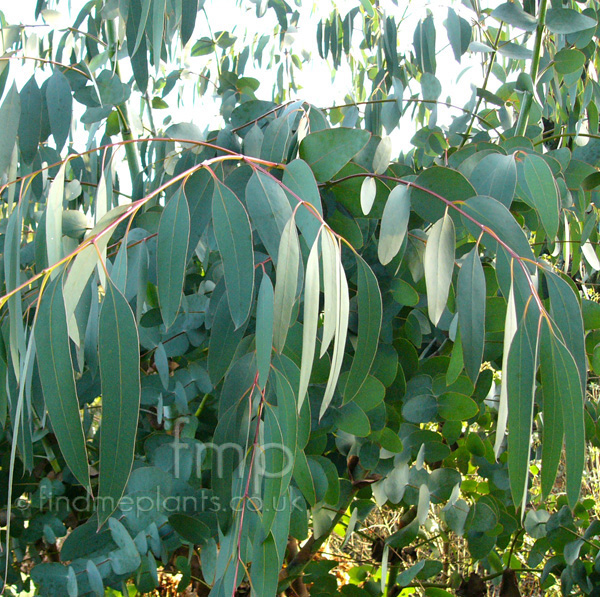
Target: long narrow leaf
pixel 311 320
pixel 394 223
pixel 58 382
pixel 119 352
pixel 439 265
pixel 286 283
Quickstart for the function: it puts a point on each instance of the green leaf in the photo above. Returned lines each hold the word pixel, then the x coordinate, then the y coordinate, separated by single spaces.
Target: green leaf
pixel 301 183
pixel 424 45
pixel 470 302
pixel 10 113
pixel 496 217
pixel 189 12
pixel 568 61
pixel 567 20
pixel 29 128
pixel 286 283
pixel 553 430
pixel 439 266
pixel 459 33
pixel 515 51
pixel 564 388
pixel 158 24
pixel 394 223
pixel 514 15
pixel 454 406
pixel 341 311
pixel 171 256
pixel 311 320
pixel 198 190
pixel 269 209
pixel 368 190
pixel 383 153
pixel 60 107
pixel 328 151
pixel 54 211
pixel 264 329
pixel 520 380
pixel 119 357
pixel 138 53
pixel 58 382
pixel 542 192
pixel 448 183
pixel 263 573
pixel 496 175
pixel 190 528
pixel 566 313
pixel 234 239
pixel 370 311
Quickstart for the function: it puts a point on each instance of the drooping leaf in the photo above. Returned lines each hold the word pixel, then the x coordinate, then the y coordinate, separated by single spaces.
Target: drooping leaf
pixel 60 107
pixel 300 181
pixel 470 302
pixel 439 266
pixel 368 190
pixel 510 327
pixel 234 239
pixel 394 223
pixel 329 150
pixel 54 213
pixel 342 312
pixel 30 127
pixel 496 175
pixel 383 153
pixel 286 283
pixel 138 52
pixel 311 320
pixel 424 45
pixel 58 382
pixel 10 113
pixel 171 256
pixel 459 33
pixel 543 192
pixel 189 11
pixel 562 385
pixel 264 329
pixel 370 312
pixel 269 209
pixel 520 382
pixel 119 358
pixel 566 313
pixel 330 252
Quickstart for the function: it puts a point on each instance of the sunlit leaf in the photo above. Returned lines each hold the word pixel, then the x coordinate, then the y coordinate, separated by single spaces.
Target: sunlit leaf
pixel 394 223
pixel 439 266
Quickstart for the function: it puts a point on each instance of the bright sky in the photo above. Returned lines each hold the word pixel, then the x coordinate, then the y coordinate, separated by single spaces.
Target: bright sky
pixel 315 79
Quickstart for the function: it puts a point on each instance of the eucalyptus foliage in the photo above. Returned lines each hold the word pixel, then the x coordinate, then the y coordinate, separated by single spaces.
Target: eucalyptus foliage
pixel 221 342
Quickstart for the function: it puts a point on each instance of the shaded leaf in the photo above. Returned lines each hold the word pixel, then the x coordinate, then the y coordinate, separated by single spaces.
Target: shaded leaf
pixel 264 329
pixel 328 151
pixel 60 107
pixel 234 238
pixel 58 382
pixel 470 302
pixel 119 358
pixel 171 256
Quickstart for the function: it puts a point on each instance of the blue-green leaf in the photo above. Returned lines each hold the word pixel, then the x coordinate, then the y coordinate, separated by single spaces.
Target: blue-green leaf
pixel 470 302
pixel 439 266
pixel 567 20
pixel 394 223
pixel 29 128
pixel 496 175
pixel 10 113
pixel 58 382
pixel 520 380
pixel 60 107
pixel 370 311
pixel 514 15
pixel 264 329
pixel 234 239
pixel 543 192
pixel 119 357
pixel 269 209
pixel 171 256
pixel 328 151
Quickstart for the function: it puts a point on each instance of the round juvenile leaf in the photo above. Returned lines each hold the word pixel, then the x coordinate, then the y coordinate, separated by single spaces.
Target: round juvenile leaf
pixel 453 406
pixel 568 61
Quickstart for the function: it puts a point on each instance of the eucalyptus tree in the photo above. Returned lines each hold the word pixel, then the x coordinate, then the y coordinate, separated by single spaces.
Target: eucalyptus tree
pixel 223 342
